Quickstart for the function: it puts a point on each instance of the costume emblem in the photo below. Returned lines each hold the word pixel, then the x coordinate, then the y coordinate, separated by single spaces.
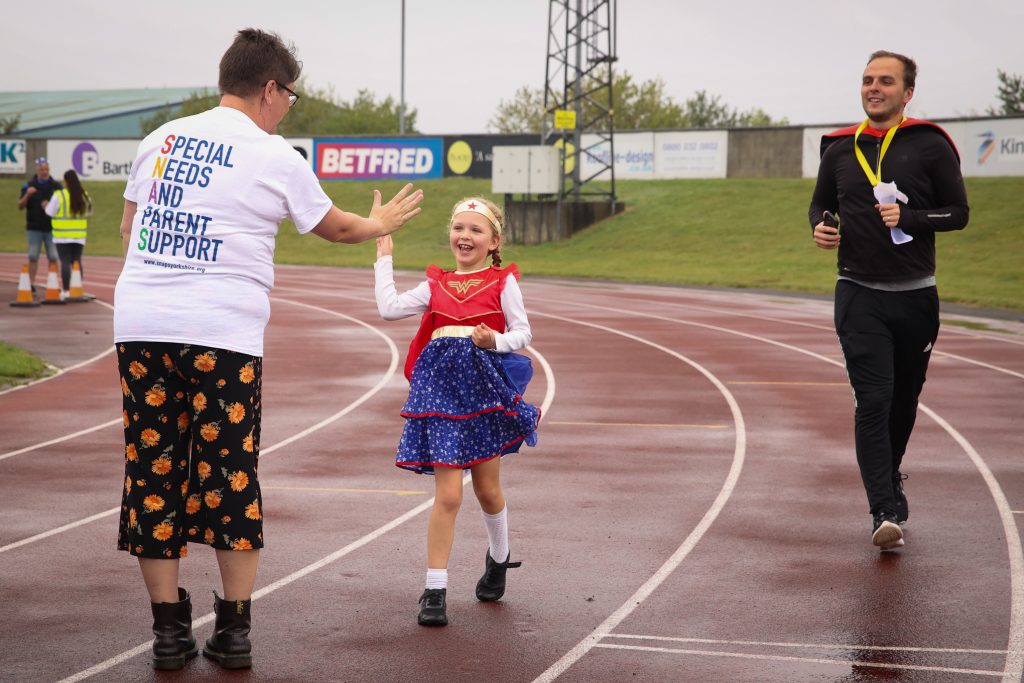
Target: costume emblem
pixel 464 286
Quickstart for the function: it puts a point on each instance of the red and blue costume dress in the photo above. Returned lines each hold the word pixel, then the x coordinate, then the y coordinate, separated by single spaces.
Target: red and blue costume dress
pixel 465 403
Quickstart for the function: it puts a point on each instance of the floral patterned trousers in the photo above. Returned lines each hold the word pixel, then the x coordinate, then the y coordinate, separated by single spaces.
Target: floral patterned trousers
pixel 191 431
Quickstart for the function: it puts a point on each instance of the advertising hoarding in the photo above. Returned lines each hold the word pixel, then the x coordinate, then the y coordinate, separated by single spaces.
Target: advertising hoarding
pixel 378 159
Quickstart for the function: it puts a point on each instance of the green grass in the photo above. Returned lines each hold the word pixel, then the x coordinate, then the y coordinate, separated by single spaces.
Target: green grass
pixel 18 367
pixel 749 233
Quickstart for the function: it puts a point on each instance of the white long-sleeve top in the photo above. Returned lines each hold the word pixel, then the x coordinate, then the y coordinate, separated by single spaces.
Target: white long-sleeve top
pixel 395 306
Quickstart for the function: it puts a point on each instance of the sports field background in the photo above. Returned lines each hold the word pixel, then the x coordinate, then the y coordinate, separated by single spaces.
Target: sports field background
pixel 749 233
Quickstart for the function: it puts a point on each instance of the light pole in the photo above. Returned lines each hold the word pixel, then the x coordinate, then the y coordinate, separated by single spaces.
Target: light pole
pixel 401 100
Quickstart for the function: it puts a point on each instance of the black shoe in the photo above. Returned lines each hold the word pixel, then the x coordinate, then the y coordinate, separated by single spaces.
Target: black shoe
pixel 491 585
pixel 433 607
pixel 886 531
pixel 229 645
pixel 902 511
pixel 173 644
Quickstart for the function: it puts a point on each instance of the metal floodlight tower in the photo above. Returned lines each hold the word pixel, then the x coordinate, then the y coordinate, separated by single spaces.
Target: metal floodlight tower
pixel 578 76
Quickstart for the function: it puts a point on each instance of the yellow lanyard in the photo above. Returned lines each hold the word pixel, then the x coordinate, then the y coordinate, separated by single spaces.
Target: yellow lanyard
pixel 873 177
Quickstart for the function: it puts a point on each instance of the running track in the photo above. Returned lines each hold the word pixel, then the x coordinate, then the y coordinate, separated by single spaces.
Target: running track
pixel 693 511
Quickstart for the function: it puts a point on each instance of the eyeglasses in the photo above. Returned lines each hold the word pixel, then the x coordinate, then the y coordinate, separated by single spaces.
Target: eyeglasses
pixel 293 96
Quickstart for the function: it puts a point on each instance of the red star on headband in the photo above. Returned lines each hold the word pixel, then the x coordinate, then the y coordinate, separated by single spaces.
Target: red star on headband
pixel 470 206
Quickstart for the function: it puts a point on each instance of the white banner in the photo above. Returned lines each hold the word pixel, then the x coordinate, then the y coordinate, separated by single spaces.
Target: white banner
pixel 812 149
pixel 12 156
pixel 698 154
pixel 92 159
pixel 644 156
pixel 634 156
pixel 991 147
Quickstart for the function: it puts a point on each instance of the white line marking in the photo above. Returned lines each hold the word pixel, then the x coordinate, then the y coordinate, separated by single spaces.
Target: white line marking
pixel 60 371
pixel 689 543
pixel 809 660
pixel 60 439
pixel 1014 667
pixel 996 368
pixel 60 529
pixel 809 646
pixel 263 451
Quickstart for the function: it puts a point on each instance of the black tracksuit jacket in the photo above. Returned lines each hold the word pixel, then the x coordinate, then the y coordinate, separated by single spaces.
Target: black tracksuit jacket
pixel 925 166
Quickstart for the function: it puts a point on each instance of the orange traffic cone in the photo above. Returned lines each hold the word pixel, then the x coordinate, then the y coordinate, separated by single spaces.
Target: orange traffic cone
pixel 76 294
pixel 24 290
pixel 52 287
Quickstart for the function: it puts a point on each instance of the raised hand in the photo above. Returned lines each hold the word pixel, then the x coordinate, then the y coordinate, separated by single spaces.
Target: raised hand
pixel 402 207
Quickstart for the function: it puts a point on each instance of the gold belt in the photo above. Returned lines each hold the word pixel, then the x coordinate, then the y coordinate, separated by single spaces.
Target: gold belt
pixel 452 331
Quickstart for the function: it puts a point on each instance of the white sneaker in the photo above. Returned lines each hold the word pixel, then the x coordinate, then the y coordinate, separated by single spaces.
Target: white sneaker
pixel 63 295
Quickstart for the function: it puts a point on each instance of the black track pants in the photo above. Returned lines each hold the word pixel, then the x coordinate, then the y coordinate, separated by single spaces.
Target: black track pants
pixel 887 340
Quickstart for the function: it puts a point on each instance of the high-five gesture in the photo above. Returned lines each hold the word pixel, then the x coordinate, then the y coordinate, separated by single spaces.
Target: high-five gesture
pixel 384 219
pixel 396 212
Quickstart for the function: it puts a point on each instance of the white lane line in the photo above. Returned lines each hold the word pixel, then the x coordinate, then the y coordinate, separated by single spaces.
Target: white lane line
pixel 58 530
pixel 263 451
pixel 60 371
pixel 809 646
pixel 61 439
pixel 1015 632
pixel 666 569
pixel 1014 667
pixel 971 361
pixel 549 397
pixel 948 328
pixel 951 324
pixel 808 660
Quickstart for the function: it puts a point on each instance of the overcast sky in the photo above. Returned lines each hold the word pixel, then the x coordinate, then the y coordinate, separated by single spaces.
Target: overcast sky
pixel 799 59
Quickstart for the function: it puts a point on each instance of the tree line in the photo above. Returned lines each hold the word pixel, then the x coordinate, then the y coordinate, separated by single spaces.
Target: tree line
pixel 635 105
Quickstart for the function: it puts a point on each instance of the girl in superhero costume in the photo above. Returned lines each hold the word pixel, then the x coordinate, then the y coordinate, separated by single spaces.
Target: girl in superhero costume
pixel 465 408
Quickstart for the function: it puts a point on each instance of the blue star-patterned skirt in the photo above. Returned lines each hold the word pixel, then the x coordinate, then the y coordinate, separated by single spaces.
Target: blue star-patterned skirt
pixel 465 406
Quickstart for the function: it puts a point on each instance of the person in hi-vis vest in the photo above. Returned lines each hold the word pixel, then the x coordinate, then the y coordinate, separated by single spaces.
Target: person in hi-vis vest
pixel 69 209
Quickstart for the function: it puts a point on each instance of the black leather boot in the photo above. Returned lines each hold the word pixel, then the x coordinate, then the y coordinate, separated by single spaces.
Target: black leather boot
pixel 229 645
pixel 491 585
pixel 173 644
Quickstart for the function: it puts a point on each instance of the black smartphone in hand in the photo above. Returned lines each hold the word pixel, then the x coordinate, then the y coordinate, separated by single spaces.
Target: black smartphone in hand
pixel 830 219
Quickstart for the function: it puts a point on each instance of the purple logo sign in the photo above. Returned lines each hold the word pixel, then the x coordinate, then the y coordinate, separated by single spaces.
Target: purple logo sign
pixel 85 159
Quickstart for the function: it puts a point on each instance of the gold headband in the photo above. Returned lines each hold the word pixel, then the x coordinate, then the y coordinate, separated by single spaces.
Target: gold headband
pixel 475 205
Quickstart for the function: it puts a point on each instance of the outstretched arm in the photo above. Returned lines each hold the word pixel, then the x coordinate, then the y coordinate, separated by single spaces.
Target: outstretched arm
pixel 384 219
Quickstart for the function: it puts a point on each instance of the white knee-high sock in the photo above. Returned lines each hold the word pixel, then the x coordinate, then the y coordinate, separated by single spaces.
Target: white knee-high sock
pixel 437 578
pixel 497 534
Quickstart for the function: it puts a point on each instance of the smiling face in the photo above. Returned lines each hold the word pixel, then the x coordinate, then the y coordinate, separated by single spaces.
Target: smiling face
pixel 883 93
pixel 472 239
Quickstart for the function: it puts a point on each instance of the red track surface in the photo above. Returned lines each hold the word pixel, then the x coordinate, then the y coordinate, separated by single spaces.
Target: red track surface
pixel 693 511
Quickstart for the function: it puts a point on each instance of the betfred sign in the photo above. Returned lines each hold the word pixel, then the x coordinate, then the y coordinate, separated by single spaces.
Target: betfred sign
pixel 382 159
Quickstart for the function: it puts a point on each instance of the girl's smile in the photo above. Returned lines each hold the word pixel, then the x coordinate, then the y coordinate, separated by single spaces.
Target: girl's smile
pixel 472 239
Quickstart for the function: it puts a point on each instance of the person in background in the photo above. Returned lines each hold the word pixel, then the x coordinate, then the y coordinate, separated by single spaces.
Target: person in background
pixel 69 209
pixel 884 189
pixel 35 194
pixel 203 204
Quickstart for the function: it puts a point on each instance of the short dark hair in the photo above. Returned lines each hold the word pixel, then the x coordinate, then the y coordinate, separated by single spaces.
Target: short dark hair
pixel 909 65
pixel 254 58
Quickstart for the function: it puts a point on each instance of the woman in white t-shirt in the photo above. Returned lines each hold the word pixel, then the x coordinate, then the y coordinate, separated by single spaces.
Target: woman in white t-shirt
pixel 202 207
